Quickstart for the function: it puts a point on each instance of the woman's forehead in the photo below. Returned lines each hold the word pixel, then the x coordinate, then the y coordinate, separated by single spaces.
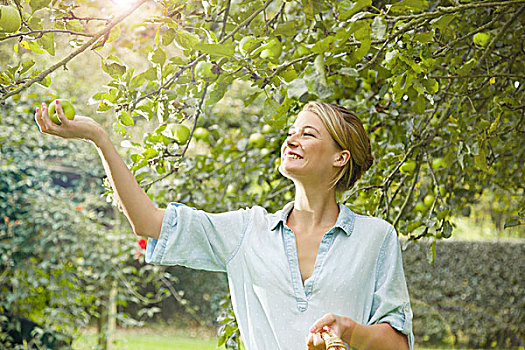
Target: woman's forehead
pixel 306 118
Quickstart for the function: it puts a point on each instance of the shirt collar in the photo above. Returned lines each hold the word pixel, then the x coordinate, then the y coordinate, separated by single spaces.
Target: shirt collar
pixel 345 219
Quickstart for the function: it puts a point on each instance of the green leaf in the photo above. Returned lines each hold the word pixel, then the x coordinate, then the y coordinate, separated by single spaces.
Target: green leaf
pixel 25 66
pixel 419 105
pixel 125 119
pixel 378 27
pixel 320 68
pixel 31 45
pixel 168 36
pixel 297 88
pixel 512 221
pixel 442 22
pixel 447 230
pixel 323 46
pixel 114 34
pixel 219 89
pixel 409 5
pixel 349 72
pixel 47 42
pixel 158 56
pixel 362 34
pixel 248 101
pixel 113 69
pixel 465 69
pixel 308 7
pixel 425 37
pixel 431 253
pixel 355 8
pixel 46 81
pixel 227 50
pixel 38 4
pixel 185 39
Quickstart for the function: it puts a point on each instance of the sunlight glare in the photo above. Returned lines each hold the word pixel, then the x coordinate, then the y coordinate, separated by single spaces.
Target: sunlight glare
pixel 123 4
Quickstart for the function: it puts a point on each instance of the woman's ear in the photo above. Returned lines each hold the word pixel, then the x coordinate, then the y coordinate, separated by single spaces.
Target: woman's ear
pixel 342 158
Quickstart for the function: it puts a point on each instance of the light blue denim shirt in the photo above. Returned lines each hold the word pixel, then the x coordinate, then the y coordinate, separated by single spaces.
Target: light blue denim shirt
pixel 358 270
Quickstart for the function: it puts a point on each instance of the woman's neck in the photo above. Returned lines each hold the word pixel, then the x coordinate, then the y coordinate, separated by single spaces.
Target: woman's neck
pixel 314 207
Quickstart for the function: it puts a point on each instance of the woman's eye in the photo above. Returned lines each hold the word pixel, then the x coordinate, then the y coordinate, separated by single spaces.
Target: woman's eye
pixel 308 134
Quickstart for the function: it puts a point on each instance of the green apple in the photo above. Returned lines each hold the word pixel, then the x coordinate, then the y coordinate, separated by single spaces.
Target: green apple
pixel 266 129
pixel 178 132
pixel 257 140
pixel 247 45
pixel 428 200
pixel 481 39
pixel 201 133
pixel 205 71
pixel 10 20
pixel 408 167
pixel 420 206
pixel 442 191
pixel 439 163
pixel 265 152
pixel 67 107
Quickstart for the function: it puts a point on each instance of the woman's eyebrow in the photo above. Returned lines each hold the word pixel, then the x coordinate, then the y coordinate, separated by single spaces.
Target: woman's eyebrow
pixel 305 127
pixel 311 127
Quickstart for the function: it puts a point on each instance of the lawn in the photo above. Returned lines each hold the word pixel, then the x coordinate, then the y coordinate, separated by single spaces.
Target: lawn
pixel 152 339
pixel 162 339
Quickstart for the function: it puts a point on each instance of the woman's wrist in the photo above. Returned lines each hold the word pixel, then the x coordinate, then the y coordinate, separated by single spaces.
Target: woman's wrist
pixel 348 329
pixel 98 136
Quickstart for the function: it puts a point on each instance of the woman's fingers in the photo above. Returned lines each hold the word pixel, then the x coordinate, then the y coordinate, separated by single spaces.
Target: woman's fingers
pixel 60 113
pixel 314 341
pixel 43 121
pixel 326 320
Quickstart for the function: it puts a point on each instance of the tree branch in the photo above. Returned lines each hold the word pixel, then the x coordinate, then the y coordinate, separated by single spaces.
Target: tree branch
pixel 499 35
pixel 42 32
pixel 226 13
pixel 72 55
pixel 170 82
pixel 452 9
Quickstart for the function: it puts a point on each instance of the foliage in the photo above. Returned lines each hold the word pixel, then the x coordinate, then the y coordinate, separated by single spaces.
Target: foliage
pixel 437 83
pixel 62 248
pixel 470 297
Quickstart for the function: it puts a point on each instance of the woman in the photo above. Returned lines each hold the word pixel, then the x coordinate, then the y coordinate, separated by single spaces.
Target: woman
pixel 311 265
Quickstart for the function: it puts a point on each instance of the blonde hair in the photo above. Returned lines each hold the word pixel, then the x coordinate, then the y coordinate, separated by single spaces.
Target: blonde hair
pixel 348 133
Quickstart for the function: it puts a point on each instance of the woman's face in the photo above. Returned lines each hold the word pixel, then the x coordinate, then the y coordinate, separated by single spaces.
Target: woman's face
pixel 309 152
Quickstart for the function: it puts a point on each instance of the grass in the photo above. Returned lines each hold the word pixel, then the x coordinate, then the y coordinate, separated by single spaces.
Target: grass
pixel 163 339
pixel 152 339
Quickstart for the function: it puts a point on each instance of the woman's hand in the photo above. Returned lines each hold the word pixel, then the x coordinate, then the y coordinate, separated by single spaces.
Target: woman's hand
pixel 342 326
pixel 79 128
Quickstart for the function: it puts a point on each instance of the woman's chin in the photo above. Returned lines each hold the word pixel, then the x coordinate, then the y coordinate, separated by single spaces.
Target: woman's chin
pixel 289 171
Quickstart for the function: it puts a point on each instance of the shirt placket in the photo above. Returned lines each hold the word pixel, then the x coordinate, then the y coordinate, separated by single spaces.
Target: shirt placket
pixel 293 263
pixel 324 246
pixel 303 293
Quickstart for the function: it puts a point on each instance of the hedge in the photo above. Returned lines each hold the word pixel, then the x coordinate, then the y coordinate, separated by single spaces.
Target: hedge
pixel 472 296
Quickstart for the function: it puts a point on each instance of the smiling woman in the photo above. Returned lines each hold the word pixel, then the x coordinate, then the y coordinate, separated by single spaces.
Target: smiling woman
pixel 313 267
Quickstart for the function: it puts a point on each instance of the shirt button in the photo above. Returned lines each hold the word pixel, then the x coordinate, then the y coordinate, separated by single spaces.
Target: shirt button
pixel 302 305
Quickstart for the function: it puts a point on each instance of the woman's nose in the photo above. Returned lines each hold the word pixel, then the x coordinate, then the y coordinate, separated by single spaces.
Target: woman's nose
pixel 291 140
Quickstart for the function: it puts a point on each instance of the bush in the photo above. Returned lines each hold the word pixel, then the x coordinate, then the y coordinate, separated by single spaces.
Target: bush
pixel 471 297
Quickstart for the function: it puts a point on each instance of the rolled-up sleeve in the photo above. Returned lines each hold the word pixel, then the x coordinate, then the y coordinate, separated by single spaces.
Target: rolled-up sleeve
pixel 197 239
pixel 391 303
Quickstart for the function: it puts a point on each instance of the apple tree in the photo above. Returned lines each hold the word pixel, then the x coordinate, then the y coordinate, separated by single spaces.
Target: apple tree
pixel 438 84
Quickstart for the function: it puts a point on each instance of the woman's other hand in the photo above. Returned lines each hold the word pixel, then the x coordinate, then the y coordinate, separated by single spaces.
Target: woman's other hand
pixel 342 326
pixel 79 128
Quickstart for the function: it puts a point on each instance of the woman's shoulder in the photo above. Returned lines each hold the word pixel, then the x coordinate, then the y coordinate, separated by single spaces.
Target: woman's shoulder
pixel 371 225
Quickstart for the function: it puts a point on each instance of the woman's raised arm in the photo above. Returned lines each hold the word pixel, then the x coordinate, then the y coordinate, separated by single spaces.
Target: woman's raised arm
pixel 144 217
